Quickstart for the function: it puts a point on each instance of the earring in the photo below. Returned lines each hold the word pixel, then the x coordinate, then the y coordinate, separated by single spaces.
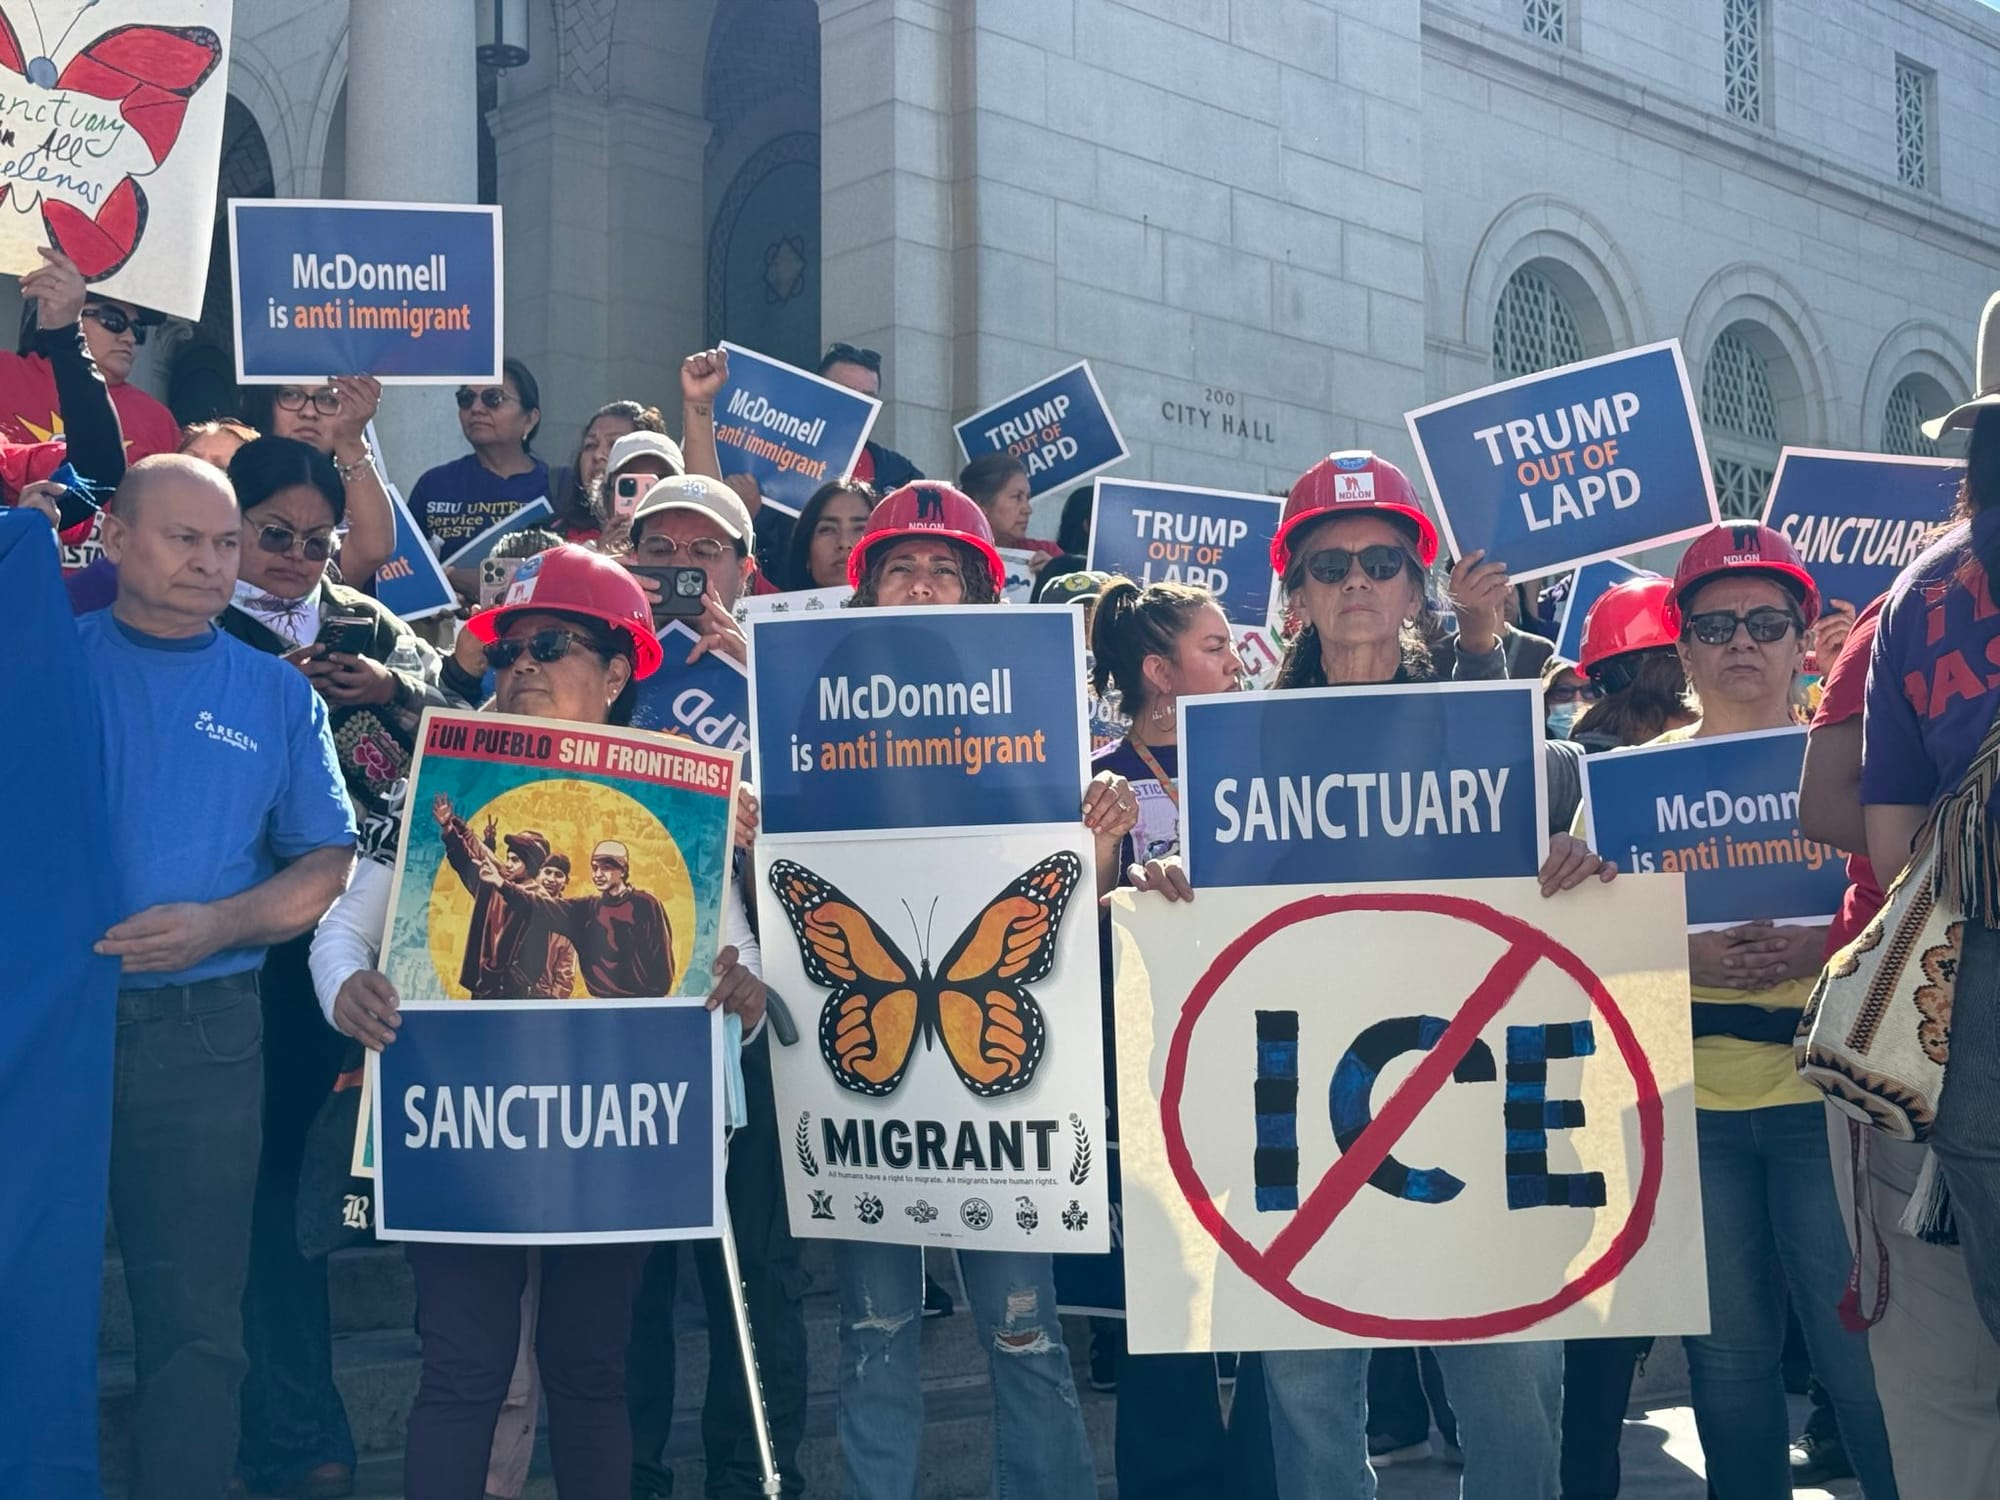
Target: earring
pixel 1163 712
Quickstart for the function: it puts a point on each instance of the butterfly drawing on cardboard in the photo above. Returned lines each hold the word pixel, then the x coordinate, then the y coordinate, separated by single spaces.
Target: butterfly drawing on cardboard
pixel 76 135
pixel 976 1005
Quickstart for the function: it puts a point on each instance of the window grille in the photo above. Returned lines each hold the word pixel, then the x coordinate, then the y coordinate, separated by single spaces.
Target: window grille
pixel 1533 327
pixel 1546 20
pixel 1913 125
pixel 1743 58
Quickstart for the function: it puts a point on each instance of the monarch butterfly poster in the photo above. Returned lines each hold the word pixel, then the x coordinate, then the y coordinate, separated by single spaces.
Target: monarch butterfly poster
pixel 929 916
pixel 111 118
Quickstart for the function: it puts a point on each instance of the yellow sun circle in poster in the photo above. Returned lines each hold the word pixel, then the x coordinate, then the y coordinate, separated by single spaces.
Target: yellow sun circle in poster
pixel 573 817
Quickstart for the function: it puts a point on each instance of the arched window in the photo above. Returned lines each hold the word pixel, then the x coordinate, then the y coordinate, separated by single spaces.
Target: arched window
pixel 1533 327
pixel 1739 417
pixel 1915 400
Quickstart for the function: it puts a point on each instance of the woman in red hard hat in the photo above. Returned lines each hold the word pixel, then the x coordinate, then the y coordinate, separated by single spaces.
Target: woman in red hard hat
pixel 1741 607
pixel 1351 552
pixel 570 640
pixel 1630 651
pixel 928 544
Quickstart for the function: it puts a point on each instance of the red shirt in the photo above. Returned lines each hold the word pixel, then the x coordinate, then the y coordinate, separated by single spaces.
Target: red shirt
pixel 28 409
pixel 1843 694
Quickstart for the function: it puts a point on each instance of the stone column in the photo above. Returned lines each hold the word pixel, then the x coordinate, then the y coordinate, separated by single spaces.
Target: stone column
pixel 413 137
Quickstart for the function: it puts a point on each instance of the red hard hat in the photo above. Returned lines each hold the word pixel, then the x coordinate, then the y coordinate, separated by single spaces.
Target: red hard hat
pixel 1630 616
pixel 576 581
pixel 1742 547
pixel 927 507
pixel 1355 483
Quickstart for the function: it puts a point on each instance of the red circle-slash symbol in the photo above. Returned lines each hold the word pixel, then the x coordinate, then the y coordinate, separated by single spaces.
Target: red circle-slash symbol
pixel 1271 1268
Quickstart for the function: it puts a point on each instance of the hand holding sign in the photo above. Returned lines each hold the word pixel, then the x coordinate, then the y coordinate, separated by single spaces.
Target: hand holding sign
pixel 1478 593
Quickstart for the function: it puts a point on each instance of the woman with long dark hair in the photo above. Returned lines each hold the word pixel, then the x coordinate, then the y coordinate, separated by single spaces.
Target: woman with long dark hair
pixel 1628 651
pixel 829 528
pixel 573 487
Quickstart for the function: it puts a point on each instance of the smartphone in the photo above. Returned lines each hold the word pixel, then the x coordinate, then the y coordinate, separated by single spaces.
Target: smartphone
pixel 496 574
pixel 627 491
pixel 349 635
pixel 681 592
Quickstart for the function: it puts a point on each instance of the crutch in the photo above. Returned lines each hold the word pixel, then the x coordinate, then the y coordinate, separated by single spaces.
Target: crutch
pixel 746 1345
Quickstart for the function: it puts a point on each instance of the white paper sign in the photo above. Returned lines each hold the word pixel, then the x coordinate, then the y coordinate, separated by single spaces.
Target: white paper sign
pixel 1359 1115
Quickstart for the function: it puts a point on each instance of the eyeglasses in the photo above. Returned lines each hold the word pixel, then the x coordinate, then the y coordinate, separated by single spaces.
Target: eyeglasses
pixel 703 549
pixel 1717 627
pixel 544 646
pixel 314 546
pixel 115 320
pixel 849 354
pixel 325 400
pixel 1585 692
pixel 492 398
pixel 1380 562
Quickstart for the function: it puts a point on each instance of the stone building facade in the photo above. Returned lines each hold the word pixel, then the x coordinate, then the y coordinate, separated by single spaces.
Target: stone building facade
pixel 1272 225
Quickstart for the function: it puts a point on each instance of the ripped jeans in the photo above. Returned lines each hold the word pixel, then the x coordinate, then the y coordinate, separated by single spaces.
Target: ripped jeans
pixel 1039 1446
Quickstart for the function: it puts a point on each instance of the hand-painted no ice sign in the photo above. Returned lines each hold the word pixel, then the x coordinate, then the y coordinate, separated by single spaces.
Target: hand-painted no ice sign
pixel 1474 1124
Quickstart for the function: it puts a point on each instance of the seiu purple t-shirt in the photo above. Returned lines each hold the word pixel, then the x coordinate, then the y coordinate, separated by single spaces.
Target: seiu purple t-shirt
pixel 1934 677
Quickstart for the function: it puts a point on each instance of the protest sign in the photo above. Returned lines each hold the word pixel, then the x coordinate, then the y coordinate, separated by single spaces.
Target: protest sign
pixel 411 584
pixel 1586 586
pixel 954 1091
pixel 789 430
pixel 585 1122
pixel 1059 428
pixel 1262 654
pixel 1859 519
pixel 1570 465
pixel 1530 1173
pixel 1094 1285
pixel 880 720
pixel 407 292
pixel 479 547
pixel 1414 781
pixel 1724 812
pixel 506 816
pixel 1019 583
pixel 793 601
pixel 707 699
pixel 1216 539
pixel 113 133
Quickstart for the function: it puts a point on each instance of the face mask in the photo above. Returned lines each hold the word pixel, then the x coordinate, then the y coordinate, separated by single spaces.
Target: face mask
pixel 1562 718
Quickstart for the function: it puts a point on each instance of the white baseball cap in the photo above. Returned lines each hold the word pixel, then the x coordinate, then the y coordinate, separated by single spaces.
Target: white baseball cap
pixel 645 445
pixel 697 492
pixel 611 849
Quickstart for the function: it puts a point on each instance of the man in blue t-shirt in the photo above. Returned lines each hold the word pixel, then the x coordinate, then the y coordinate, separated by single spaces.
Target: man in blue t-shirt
pixel 231 831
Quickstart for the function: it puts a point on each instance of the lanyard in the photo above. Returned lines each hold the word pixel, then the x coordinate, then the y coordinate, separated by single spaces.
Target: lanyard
pixel 1159 774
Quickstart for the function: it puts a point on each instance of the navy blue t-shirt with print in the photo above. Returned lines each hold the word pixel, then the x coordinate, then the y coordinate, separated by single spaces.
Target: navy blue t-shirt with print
pixel 1158 832
pixel 1935 672
pixel 218 769
pixel 454 502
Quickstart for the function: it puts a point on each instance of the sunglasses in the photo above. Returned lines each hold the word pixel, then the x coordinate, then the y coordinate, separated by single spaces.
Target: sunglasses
pixel 115 320
pixel 492 398
pixel 544 646
pixel 848 354
pixel 314 546
pixel 1380 562
pixel 325 400
pixel 1717 627
pixel 664 548
pixel 1584 693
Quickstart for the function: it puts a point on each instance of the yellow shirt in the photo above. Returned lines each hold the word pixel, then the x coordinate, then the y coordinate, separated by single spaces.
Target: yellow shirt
pixel 1731 1072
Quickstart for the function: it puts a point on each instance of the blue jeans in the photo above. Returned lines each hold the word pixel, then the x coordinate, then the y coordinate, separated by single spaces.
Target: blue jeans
pixel 1772 1227
pixel 1966 1140
pixel 1507 1397
pixel 1039 1446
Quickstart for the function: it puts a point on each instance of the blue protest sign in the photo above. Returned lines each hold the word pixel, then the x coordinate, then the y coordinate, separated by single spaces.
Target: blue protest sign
pixel 1217 539
pixel 1586 585
pixel 1570 465
pixel 1859 519
pixel 1724 812
pixel 881 720
pixel 1424 781
pixel 707 699
pixel 411 584
pixel 1059 428
pixel 409 293
pixel 789 430
pixel 479 548
pixel 585 1121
